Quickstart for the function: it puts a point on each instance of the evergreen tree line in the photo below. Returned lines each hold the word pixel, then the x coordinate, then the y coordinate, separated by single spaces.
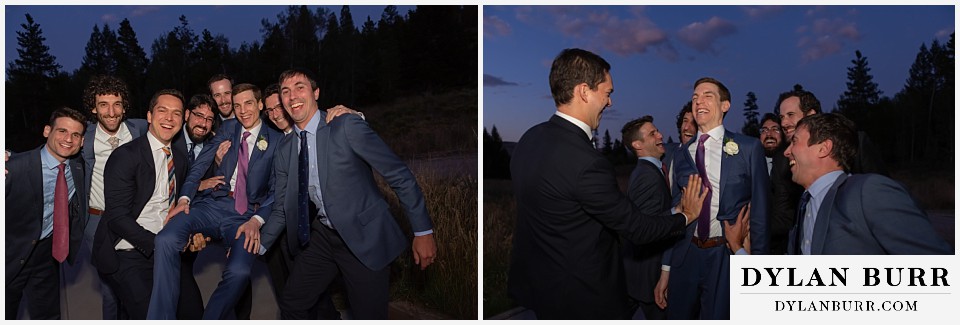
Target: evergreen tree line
pixel 428 50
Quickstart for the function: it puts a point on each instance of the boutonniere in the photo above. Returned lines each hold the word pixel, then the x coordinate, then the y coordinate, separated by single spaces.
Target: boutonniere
pixel 262 143
pixel 730 147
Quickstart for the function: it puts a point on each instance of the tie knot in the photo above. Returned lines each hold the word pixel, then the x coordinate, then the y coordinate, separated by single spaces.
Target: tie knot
pixel 166 151
pixel 61 166
pixel 113 141
pixel 303 134
pixel 704 137
pixel 805 198
pixel 246 135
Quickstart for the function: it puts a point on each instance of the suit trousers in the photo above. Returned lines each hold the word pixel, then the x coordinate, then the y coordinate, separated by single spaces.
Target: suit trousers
pixel 214 219
pixel 132 283
pixel 701 285
pixel 279 263
pixel 315 268
pixel 39 280
pixel 110 310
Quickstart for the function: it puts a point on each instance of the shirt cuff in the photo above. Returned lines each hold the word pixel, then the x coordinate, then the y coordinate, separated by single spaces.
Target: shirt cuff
pixel 184 197
pixel 263 250
pixel 741 251
pixel 665 268
pixel 259 219
pixel 422 233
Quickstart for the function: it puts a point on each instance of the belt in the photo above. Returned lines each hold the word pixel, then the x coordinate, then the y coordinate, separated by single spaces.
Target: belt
pixel 230 194
pixel 709 242
pixel 94 211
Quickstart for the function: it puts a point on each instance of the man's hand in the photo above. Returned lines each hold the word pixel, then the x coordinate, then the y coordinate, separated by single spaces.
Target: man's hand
pixel 182 206
pixel 660 291
pixel 251 228
pixel 221 151
pixel 337 111
pixel 424 250
pixel 196 243
pixel 210 183
pixel 693 195
pixel 738 234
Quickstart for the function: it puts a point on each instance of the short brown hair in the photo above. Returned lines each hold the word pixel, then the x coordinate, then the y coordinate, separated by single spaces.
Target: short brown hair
pixel 298 71
pixel 631 131
pixel 244 87
pixel 572 67
pixel 839 130
pixel 171 92
pixel 724 92
pixel 808 101
pixel 68 113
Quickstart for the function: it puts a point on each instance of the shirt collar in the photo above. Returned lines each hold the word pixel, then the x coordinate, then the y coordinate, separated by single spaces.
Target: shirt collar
pixel 656 162
pixel 715 133
pixel 311 125
pixel 254 131
pixel 578 123
pixel 47 158
pixel 820 186
pixel 186 136
pixel 102 134
pixel 155 143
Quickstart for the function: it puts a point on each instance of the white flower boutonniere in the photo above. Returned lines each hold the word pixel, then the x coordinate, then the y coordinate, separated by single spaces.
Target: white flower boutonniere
pixel 730 147
pixel 262 143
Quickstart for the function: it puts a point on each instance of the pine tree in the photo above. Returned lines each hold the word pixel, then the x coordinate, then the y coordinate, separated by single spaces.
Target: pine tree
pixel 607 145
pixel 131 61
pixel 861 94
pixel 31 78
pixel 751 112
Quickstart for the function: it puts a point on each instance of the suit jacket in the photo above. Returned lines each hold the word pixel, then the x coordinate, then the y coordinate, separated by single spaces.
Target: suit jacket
pixel 783 206
pixel 641 263
pixel 346 150
pixel 180 143
pixel 24 208
pixel 565 262
pixel 743 179
pixel 137 128
pixel 129 187
pixel 259 169
pixel 869 214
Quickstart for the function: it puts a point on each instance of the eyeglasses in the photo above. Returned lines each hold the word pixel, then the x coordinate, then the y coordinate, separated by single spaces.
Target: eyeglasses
pixel 271 109
pixel 200 116
pixel 774 129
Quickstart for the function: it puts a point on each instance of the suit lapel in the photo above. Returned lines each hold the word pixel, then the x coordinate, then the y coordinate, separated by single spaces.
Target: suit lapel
pixel 726 164
pixel 147 157
pixel 256 153
pixel 229 163
pixel 821 226
pixel 323 136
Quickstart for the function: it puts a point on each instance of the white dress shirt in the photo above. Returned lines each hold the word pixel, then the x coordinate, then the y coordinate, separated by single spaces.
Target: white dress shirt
pixel 102 151
pixel 713 152
pixel 155 211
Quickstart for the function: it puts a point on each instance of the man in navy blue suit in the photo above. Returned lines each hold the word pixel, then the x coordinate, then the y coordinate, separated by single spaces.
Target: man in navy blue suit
pixel 336 219
pixel 41 231
pixel 648 190
pixel 841 213
pixel 232 212
pixel 733 169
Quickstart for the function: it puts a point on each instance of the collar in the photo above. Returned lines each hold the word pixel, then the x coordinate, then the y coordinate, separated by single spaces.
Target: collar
pixel 311 125
pixel 102 134
pixel 186 136
pixel 253 131
pixel 47 158
pixel 656 162
pixel 715 134
pixel 820 186
pixel 155 143
pixel 578 123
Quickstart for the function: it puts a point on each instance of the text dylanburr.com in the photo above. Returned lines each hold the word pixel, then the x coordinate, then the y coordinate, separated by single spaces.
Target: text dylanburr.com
pixel 833 288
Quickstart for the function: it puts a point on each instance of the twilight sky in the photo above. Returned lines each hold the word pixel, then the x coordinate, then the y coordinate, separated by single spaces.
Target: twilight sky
pixel 68 28
pixel 657 52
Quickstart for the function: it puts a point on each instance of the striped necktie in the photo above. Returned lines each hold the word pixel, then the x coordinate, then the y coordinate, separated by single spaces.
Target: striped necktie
pixel 171 175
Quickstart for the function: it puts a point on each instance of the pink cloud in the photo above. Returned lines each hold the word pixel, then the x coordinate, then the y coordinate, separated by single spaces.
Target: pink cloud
pixel 826 36
pixel 494 26
pixel 702 36
pixel 635 34
pixel 757 12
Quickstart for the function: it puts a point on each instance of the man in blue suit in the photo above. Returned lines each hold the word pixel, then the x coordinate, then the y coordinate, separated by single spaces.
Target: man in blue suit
pixel 841 213
pixel 336 218
pixel 232 212
pixel 46 202
pixel 734 171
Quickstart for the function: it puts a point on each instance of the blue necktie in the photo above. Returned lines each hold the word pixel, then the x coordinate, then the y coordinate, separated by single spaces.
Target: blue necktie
pixel 801 213
pixel 703 222
pixel 303 218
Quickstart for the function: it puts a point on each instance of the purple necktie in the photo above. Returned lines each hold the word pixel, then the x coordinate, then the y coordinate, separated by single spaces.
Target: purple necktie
pixel 703 222
pixel 61 218
pixel 240 192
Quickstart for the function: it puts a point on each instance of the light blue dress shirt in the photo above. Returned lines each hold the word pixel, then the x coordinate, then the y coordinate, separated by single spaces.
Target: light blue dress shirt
pixel 818 191
pixel 49 168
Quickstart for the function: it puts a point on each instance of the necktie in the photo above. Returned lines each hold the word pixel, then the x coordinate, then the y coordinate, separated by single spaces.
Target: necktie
pixel 114 142
pixel 663 168
pixel 240 192
pixel 703 222
pixel 801 214
pixel 190 155
pixel 171 176
pixel 61 217
pixel 303 219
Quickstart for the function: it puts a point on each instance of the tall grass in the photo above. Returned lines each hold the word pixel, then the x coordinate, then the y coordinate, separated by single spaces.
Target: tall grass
pixel 499 215
pixel 449 285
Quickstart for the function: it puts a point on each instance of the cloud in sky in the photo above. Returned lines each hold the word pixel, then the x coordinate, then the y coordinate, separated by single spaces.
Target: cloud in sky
pixel 144 10
pixel 634 34
pixel 494 26
pixel 494 81
pixel 758 12
pixel 108 18
pixel 702 36
pixel 826 36
pixel 944 33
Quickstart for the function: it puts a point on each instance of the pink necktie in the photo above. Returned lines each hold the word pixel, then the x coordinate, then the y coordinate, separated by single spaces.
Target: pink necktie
pixel 61 218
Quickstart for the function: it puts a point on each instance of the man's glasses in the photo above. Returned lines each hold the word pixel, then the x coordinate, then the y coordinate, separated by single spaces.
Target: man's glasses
pixel 774 129
pixel 200 116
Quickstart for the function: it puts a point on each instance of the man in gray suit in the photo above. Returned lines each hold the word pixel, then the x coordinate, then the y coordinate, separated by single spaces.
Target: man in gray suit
pixel 329 203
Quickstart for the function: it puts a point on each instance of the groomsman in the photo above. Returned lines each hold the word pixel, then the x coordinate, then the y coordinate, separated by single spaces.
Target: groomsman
pixel 46 203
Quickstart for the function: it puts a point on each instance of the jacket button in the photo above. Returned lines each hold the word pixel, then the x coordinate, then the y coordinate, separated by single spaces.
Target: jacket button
pixel 22 262
pixel 33 242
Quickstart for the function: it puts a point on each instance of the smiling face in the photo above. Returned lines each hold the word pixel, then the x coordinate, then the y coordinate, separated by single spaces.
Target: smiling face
pixel 109 112
pixel 708 109
pixel 651 141
pixel 805 158
pixel 200 122
pixel 790 115
pixel 770 136
pixel 598 100
pixel 299 99
pixel 166 118
pixel 222 92
pixel 247 108
pixel 64 138
pixel 688 129
pixel 276 113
